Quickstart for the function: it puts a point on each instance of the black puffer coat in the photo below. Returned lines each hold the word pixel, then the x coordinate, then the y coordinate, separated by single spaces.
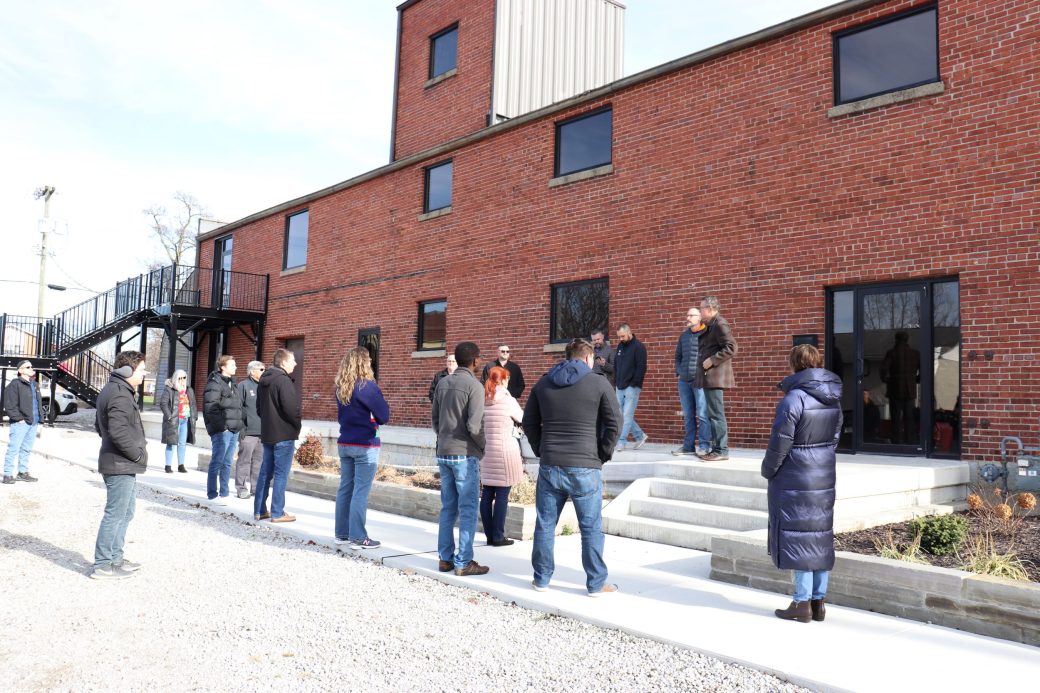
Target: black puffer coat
pixel 221 407
pixel 800 467
pixel 169 403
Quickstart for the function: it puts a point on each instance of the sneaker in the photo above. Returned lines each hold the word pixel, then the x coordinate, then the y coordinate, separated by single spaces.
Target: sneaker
pixel 609 588
pixel 264 516
pixel 219 500
pixel 8 479
pixel 284 518
pixel 340 542
pixel 110 572
pixel 445 566
pixel 366 543
pixel 501 542
pixel 129 566
pixel 539 588
pixel 703 451
pixel 242 493
pixel 24 476
pixel 472 568
pixel 683 452
pixel 639 443
pixel 715 457
pixel 620 447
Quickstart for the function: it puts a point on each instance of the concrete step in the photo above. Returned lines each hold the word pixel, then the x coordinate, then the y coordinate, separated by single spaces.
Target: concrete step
pixel 701 514
pixel 728 473
pixel 853 523
pixel 713 494
pixel 663 531
pixel 900 500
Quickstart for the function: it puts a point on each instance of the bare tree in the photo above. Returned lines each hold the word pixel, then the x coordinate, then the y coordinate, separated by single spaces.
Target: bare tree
pixel 177 230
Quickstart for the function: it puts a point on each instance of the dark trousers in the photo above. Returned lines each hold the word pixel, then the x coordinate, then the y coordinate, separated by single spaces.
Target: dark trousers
pixel 717 417
pixel 494 504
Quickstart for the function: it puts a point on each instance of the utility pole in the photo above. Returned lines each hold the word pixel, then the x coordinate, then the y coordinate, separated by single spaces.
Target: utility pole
pixel 45 192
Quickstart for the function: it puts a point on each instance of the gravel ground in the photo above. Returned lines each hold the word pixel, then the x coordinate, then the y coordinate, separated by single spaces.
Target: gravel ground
pixel 225 605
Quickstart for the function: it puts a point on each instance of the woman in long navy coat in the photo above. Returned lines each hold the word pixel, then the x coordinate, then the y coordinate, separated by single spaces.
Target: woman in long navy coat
pixel 800 467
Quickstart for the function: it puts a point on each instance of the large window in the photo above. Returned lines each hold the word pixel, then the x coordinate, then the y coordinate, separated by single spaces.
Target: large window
pixel 437 192
pixel 578 308
pixel 885 56
pixel 444 49
pixel 584 142
pixel 433 324
pixel 296 240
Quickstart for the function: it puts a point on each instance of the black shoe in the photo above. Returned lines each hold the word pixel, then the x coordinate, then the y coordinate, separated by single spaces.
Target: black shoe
pixel 819 611
pixel 181 469
pixel 169 469
pixel 501 542
pixel 24 476
pixel 8 479
pixel 797 611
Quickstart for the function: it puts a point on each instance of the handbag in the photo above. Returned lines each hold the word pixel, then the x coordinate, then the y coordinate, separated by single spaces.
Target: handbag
pixel 518 431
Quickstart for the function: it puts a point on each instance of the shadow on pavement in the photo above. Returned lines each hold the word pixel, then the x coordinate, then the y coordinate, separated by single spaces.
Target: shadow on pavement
pixel 63 558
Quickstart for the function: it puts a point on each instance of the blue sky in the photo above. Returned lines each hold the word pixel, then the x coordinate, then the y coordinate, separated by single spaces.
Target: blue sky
pixel 119 104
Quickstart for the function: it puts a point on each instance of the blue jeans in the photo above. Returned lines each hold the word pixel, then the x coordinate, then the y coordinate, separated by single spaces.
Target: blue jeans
pixel 119 510
pixel 19 444
pixel 810 583
pixel 357 468
pixel 275 468
pixel 224 445
pixel 717 418
pixel 628 399
pixel 460 482
pixel 585 489
pixel 494 506
pixel 695 417
pixel 182 440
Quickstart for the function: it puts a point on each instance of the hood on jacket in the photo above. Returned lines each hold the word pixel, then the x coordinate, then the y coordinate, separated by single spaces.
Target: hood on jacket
pixel 819 383
pixel 567 373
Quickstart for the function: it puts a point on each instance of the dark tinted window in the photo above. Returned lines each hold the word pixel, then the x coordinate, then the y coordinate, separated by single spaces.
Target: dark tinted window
pixel 579 308
pixel 896 54
pixel 296 240
pixel 438 187
pixel 433 324
pixel 444 48
pixel 584 142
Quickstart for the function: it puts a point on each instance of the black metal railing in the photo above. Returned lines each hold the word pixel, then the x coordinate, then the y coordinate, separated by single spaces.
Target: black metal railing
pixel 88 369
pixel 26 336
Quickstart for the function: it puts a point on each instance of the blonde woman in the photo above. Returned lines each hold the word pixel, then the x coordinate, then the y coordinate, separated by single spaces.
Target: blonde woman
pixel 177 403
pixel 502 465
pixel 361 409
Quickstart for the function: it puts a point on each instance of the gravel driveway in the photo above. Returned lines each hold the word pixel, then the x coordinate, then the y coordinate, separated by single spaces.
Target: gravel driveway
pixel 224 605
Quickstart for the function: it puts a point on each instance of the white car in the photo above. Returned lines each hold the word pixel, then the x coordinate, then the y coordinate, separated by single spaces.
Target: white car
pixel 67 402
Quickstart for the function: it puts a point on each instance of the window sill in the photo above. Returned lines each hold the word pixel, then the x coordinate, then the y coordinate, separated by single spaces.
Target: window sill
pixel 429 354
pixel 292 270
pixel 554 348
pixel 434 81
pixel 930 89
pixel 435 213
pixel 582 175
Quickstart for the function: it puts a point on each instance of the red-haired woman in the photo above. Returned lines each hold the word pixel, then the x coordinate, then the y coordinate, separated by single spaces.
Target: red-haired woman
pixel 502 464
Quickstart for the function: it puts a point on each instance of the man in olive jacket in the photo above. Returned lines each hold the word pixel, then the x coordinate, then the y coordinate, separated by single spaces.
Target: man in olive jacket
pixel 715 374
pixel 124 455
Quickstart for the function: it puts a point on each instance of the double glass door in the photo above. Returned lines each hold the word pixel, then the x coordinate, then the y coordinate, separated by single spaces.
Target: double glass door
pixel 896 348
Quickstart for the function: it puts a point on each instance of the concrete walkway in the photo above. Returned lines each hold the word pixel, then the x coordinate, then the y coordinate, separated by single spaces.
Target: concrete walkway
pixel 665 595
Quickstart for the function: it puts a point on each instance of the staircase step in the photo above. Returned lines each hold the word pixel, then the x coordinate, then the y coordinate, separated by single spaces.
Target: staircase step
pixel 729 473
pixel 663 531
pixel 877 519
pixel 703 514
pixel 714 494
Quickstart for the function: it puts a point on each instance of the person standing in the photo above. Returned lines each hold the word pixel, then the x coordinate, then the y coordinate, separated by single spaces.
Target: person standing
pixel 123 455
pixel 450 365
pixel 222 412
pixel 604 355
pixel 502 466
pixel 361 410
pixel 800 467
pixel 22 403
pixel 629 371
pixel 458 413
pixel 516 376
pixel 177 403
pixel 715 374
pixel 696 429
pixel 278 405
pixel 572 423
pixel 900 371
pixel 250 450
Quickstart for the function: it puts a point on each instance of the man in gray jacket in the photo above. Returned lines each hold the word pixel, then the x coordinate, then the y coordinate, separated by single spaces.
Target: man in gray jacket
pixel 123 456
pixel 250 450
pixel 458 413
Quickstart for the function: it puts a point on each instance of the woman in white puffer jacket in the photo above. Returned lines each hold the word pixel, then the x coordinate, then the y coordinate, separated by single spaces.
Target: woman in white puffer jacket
pixel 502 464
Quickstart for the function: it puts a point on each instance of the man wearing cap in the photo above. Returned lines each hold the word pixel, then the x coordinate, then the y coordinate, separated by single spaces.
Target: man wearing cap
pixel 22 402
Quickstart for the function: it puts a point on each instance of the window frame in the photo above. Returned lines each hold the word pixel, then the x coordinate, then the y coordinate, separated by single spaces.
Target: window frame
pixel 426 185
pixel 419 342
pixel 557 173
pixel 836 54
pixel 433 53
pixel 553 337
pixel 285 240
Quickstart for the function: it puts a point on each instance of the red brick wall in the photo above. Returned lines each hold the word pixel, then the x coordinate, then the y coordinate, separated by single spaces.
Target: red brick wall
pixel 428 116
pixel 730 179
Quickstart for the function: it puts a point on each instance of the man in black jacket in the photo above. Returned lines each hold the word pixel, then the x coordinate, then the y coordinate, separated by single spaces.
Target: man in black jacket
pixel 697 430
pixel 123 455
pixel 22 403
pixel 516 376
pixel 629 371
pixel 450 364
pixel 571 420
pixel 222 412
pixel 278 405
pixel 250 451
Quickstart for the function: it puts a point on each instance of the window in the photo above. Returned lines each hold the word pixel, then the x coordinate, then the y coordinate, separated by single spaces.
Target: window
pixel 296 240
pixel 444 49
pixel 584 142
pixel 886 56
pixel 433 324
pixel 437 193
pixel 578 308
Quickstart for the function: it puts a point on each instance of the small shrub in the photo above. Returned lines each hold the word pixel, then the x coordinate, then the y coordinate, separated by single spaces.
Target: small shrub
pixel 311 453
pixel 566 530
pixel 387 473
pixel 890 548
pixel 425 479
pixel 522 492
pixel 981 556
pixel 940 534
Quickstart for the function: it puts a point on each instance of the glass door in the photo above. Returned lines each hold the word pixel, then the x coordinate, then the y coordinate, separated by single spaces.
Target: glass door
pixel 222 272
pixel 369 338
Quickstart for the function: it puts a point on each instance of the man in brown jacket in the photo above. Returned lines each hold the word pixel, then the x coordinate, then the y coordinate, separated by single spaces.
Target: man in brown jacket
pixel 715 374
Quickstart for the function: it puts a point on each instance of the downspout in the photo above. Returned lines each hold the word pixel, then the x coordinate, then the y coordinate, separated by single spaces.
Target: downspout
pixel 397 80
pixel 494 44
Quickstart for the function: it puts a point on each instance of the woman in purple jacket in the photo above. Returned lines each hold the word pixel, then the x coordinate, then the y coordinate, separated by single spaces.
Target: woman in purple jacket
pixel 362 409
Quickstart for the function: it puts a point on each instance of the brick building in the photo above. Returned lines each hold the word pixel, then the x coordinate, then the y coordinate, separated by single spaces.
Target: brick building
pixel 866 170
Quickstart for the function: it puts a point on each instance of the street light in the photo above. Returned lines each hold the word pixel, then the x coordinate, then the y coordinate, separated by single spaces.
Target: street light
pixel 57 287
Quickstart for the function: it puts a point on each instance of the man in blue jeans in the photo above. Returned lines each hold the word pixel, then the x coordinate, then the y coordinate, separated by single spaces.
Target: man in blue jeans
pixel 278 405
pixel 572 421
pixel 458 414
pixel 697 430
pixel 224 417
pixel 629 372
pixel 22 404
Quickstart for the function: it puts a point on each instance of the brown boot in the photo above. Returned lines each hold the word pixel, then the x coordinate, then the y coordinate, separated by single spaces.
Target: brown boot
pixel 819 611
pixel 798 611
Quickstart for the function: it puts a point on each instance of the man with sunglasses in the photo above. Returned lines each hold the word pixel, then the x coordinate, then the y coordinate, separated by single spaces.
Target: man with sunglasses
pixel 250 449
pixel 516 376
pixel 22 403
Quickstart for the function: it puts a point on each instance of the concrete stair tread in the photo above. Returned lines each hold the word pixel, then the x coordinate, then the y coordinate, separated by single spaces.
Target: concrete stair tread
pixel 664 531
pixel 709 485
pixel 876 519
pixel 722 509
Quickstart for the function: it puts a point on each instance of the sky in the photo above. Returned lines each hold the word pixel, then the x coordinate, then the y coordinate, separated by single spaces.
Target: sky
pixel 243 104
